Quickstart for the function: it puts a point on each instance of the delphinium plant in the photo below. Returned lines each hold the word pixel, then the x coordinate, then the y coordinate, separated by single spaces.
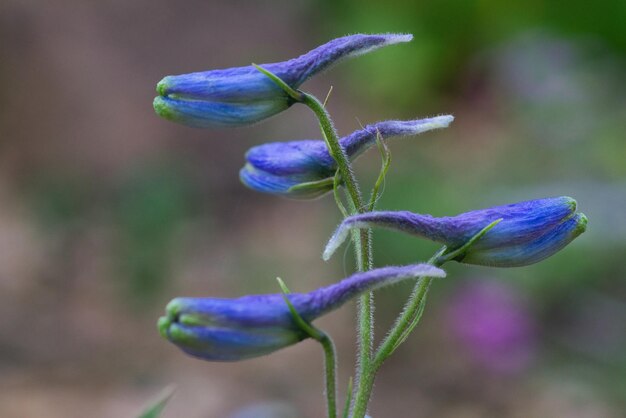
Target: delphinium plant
pixel 222 329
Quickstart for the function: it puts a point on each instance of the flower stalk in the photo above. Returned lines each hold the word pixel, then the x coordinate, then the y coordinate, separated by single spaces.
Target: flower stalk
pixel 363 248
pixel 217 329
pixel 362 240
pixel 330 363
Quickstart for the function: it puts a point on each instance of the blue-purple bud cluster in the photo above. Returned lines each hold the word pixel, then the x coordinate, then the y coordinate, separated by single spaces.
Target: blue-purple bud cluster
pixel 251 326
pixel 527 233
pixel 304 169
pixel 235 329
pixel 243 95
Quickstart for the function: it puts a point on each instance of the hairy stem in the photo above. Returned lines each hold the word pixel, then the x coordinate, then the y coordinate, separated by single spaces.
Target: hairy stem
pixel 406 319
pixel 403 325
pixel 330 366
pixel 412 311
pixel 334 147
pixel 363 247
pixel 361 239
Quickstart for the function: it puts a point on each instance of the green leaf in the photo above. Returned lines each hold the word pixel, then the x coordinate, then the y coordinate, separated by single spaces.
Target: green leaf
pixel 386 161
pixel 346 408
pixel 306 327
pixel 154 410
pixel 320 186
pixel 294 94
pixel 411 327
pixel 336 183
pixel 460 252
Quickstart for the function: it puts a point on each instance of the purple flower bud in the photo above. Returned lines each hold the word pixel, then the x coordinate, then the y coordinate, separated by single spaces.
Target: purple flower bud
pixel 529 231
pixel 243 95
pixel 304 169
pixel 235 329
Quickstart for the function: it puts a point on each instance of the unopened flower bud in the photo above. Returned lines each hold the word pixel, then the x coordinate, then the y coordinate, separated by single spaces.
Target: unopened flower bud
pixel 304 169
pixel 243 95
pixel 235 329
pixel 527 233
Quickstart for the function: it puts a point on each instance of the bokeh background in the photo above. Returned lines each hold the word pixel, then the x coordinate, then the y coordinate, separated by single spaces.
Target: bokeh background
pixel 107 211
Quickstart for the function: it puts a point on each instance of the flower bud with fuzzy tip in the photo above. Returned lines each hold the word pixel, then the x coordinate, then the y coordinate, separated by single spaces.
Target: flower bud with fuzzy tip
pixel 218 329
pixel 304 169
pixel 243 95
pixel 527 233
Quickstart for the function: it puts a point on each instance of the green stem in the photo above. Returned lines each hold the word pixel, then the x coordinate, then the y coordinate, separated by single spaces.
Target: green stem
pixel 367 365
pixel 330 367
pixel 346 408
pixel 334 147
pixel 406 320
pixel 412 311
pixel 362 242
pixel 394 338
pixel 386 161
pixel 362 239
pixel 364 375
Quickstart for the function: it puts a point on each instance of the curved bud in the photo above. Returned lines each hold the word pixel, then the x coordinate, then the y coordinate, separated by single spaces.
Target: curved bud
pixel 235 329
pixel 529 231
pixel 304 169
pixel 243 95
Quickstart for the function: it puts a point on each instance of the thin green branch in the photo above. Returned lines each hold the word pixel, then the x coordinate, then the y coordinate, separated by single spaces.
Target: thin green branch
pixel 386 161
pixel 330 364
pixel 362 245
pixel 336 183
pixel 346 407
pixel 335 149
pixel 155 409
pixel 413 309
pixel 414 321
pixel 411 313
pixel 407 319
pixel 330 90
pixel 361 239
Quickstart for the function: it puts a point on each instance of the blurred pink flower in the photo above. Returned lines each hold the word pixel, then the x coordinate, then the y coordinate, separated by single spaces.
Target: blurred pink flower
pixel 493 321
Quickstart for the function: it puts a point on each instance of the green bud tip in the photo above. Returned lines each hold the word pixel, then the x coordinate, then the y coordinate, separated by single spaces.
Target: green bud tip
pixel 163 325
pixel 582 223
pixel 162 109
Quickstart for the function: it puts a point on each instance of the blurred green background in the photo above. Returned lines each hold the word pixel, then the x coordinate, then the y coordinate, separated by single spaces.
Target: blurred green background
pixel 107 212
